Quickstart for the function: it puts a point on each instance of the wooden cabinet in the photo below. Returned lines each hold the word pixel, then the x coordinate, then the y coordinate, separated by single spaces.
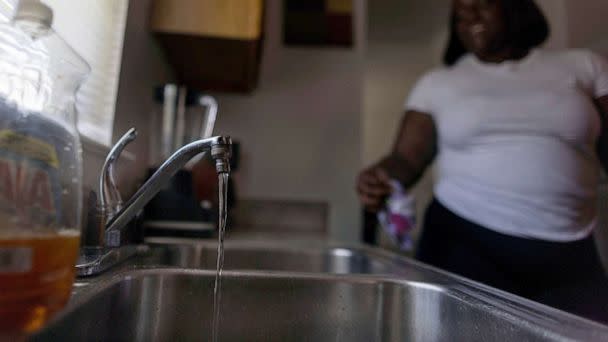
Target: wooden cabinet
pixel 212 44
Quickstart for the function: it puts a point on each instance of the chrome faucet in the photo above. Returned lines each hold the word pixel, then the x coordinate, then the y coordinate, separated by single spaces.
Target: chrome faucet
pixel 113 217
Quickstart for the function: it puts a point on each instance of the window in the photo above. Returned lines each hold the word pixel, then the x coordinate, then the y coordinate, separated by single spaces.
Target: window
pixel 6 9
pixel 95 29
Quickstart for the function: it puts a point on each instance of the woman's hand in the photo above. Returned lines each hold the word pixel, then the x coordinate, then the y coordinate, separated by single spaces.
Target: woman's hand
pixel 373 187
pixel 414 150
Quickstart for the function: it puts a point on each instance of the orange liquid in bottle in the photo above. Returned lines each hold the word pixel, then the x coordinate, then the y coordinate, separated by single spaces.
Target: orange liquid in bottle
pixel 36 277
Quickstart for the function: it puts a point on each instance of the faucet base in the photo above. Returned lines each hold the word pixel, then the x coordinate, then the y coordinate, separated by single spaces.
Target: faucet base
pixel 95 260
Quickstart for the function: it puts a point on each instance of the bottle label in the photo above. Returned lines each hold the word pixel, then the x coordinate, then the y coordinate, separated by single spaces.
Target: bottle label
pixel 29 147
pixel 15 260
pixel 29 180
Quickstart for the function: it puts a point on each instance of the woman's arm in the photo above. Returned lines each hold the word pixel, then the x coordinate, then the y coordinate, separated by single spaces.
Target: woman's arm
pixel 413 151
pixel 602 144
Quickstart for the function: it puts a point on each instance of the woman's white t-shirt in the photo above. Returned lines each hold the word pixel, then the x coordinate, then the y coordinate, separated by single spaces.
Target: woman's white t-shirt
pixel 517 141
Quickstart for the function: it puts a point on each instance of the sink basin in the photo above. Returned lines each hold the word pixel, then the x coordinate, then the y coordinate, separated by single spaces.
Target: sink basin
pixel 251 256
pixel 176 305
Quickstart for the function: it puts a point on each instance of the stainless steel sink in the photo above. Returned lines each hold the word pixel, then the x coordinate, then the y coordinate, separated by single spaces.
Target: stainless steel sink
pixel 293 292
pixel 176 305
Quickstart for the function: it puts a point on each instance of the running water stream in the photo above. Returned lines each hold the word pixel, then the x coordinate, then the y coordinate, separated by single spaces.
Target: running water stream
pixel 217 289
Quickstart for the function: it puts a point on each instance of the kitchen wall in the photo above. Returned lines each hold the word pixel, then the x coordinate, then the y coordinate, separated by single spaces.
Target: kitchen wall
pixel 301 128
pixel 577 23
pixel 557 15
pixel 586 22
pixel 143 68
pixel 406 39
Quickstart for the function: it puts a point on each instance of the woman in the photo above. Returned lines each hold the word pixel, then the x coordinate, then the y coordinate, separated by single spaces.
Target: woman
pixel 516 133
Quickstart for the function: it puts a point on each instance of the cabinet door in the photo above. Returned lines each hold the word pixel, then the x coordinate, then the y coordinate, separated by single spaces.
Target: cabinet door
pixel 231 19
pixel 211 44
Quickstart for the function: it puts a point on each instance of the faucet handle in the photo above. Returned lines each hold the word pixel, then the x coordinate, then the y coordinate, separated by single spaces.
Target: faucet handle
pixel 209 121
pixel 110 200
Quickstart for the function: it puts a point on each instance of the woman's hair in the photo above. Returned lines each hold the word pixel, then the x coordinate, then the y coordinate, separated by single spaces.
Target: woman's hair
pixel 526 26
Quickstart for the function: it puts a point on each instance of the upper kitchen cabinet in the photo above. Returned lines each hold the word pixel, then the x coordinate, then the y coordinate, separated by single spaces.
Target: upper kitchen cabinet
pixel 212 44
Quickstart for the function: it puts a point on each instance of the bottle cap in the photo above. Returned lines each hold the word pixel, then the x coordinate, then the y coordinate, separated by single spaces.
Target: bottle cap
pixel 34 10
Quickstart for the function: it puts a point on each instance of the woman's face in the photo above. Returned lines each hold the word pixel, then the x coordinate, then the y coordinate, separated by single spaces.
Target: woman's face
pixel 481 26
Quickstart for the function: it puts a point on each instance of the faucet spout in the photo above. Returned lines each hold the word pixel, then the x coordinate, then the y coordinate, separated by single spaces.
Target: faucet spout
pixel 220 148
